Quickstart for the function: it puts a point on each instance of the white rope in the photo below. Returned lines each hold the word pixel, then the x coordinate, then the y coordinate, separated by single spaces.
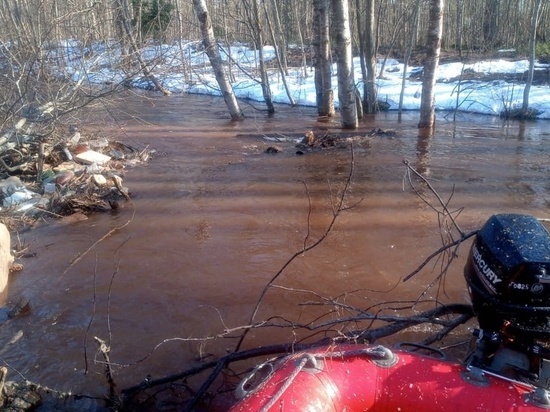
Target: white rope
pixel 305 359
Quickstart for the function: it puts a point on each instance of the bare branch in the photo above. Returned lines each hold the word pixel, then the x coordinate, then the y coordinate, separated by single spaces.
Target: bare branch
pixel 336 213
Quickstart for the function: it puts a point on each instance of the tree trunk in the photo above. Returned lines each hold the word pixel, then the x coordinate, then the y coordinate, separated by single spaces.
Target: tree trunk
pixel 213 53
pixel 323 67
pixel 459 26
pixel 371 94
pixel 346 83
pixel 283 44
pixel 532 44
pixel 435 28
pixel 278 57
pixel 257 30
pixel 361 38
pixel 490 23
pixel 415 15
pixel 302 47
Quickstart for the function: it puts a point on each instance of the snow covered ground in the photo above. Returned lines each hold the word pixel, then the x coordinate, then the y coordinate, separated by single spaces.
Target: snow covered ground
pixel 474 96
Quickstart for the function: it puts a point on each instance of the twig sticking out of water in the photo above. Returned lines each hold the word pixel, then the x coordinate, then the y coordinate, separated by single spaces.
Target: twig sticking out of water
pixel 439 251
pixel 97 242
pixel 104 349
pixel 444 211
pixel 449 250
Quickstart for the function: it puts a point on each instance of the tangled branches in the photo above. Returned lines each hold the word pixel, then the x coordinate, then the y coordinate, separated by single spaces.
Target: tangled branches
pixel 452 236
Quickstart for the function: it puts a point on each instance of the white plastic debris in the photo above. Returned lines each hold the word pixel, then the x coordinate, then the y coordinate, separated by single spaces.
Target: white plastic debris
pixel 90 157
pixel 99 180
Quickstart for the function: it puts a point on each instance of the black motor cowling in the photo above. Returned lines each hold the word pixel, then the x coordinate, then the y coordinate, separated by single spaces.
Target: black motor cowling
pixel 508 276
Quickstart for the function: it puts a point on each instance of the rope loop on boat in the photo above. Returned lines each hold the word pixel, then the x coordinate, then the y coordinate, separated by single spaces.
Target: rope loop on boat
pixel 302 362
pixel 380 355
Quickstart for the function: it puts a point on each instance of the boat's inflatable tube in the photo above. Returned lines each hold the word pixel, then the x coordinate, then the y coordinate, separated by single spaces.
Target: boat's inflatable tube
pixel 373 378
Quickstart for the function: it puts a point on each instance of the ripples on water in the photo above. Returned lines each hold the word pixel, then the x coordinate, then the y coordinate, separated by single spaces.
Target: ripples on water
pixel 214 218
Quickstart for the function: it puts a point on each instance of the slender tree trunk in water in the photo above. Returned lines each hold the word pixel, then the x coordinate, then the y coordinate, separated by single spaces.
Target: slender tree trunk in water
pixel 277 49
pixel 346 83
pixel 361 36
pixel 323 67
pixel 213 53
pixel 416 13
pixel 316 53
pixel 301 37
pixel 435 29
pixel 371 94
pixel 187 72
pixel 532 44
pixel 280 36
pixel 259 39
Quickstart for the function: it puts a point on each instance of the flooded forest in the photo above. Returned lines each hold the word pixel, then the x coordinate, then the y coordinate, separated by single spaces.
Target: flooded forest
pixel 195 190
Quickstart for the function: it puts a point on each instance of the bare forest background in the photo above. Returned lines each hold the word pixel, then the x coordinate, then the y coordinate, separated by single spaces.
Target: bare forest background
pixel 33 35
pixel 471 26
pixel 41 40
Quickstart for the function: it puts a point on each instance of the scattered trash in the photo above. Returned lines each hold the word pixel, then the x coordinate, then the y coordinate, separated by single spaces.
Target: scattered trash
pixel 65 178
pixel 99 180
pixel 49 188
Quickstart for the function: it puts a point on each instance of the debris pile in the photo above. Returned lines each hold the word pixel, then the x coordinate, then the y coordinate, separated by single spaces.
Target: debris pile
pixel 63 178
pixel 26 396
pixel 313 140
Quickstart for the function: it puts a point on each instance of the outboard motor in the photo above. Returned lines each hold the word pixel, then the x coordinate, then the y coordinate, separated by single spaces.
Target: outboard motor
pixel 508 273
pixel 508 277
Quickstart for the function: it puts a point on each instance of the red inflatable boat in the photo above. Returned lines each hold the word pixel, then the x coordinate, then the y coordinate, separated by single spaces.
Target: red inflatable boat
pixel 375 378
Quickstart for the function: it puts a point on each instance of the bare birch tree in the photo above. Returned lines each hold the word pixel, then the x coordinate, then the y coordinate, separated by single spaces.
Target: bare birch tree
pixel 368 53
pixel 213 53
pixel 255 24
pixel 279 57
pixel 346 83
pixel 435 28
pixel 532 44
pixel 408 53
pixel 321 53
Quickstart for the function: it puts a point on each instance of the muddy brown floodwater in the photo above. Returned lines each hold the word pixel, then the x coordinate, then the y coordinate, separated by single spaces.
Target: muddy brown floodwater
pixel 214 218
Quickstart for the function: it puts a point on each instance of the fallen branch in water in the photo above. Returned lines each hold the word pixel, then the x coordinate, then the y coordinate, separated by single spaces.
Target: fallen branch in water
pixel 79 257
pixel 395 324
